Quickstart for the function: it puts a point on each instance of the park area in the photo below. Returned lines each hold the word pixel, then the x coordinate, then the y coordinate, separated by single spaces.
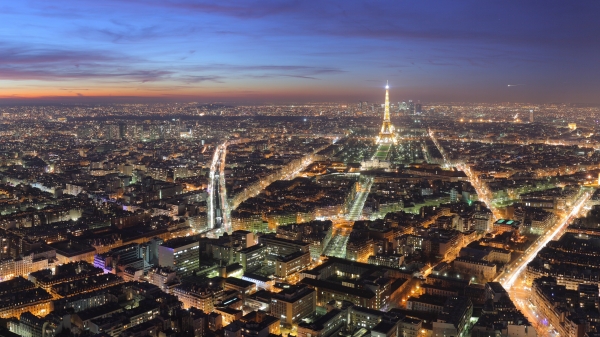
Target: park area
pixel 382 152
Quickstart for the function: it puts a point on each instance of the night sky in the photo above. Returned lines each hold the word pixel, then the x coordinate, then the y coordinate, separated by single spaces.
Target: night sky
pixel 299 51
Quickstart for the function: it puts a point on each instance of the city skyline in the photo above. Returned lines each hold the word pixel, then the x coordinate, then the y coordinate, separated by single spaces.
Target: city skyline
pixel 261 51
pixel 286 168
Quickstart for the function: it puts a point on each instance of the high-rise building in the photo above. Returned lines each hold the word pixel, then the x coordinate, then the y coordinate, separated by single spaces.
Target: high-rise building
pixel 402 106
pixel 386 135
pixel 122 130
pixel 156 131
pixel 530 116
pixel 112 131
pixel 453 195
pixel 482 221
pixel 180 254
pixel 151 249
pixel 242 238
pixel 134 131
pixel 290 264
pixel 118 259
pixel 294 303
pixel 253 257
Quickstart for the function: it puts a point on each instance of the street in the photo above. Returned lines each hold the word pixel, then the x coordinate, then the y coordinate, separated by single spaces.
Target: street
pixel 515 282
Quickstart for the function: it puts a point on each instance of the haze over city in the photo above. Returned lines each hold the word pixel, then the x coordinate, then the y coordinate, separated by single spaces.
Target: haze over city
pixel 298 51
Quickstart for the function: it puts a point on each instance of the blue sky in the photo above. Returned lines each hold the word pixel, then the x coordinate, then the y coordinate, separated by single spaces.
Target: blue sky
pixel 298 51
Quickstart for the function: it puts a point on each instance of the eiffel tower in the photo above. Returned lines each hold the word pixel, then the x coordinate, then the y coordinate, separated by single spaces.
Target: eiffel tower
pixel 386 135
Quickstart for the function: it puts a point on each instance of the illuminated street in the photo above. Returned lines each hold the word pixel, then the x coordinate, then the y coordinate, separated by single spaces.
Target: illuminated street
pixel 519 292
pixel 515 279
pixel 337 244
pixel 515 271
pixel 214 186
pixel 483 193
pixel 224 201
pixel 355 212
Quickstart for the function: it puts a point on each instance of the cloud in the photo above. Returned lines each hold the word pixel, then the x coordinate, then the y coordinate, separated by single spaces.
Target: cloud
pixel 26 55
pixel 142 76
pixel 241 10
pixel 510 22
pixel 125 33
pixel 199 79
pixel 23 62
pixel 47 63
pixel 439 63
pixel 269 71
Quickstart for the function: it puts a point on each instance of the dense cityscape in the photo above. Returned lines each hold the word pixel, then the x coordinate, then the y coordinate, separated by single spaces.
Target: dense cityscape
pixel 284 168
pixel 381 219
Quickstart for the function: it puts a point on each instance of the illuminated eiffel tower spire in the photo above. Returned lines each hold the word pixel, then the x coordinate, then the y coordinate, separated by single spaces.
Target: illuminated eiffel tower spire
pixel 386 116
pixel 386 135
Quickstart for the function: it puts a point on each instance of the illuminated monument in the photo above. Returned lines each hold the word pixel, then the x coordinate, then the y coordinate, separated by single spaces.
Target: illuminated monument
pixel 386 135
pixel 385 140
